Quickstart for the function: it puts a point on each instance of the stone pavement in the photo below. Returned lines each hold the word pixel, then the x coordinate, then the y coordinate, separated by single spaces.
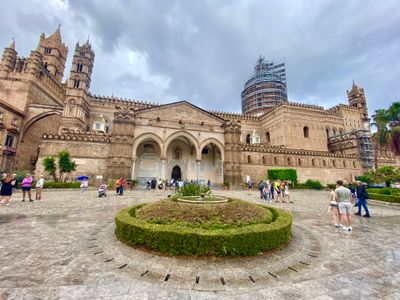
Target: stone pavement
pixel 64 248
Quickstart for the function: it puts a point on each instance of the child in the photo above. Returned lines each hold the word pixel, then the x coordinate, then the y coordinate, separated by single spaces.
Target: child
pixel 102 190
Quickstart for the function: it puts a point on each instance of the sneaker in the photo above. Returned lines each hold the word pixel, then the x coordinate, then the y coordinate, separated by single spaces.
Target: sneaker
pixel 291 201
pixel 7 204
pixel 366 216
pixel 357 214
pixel 23 200
pixel 338 225
pixel 345 228
pixel 30 200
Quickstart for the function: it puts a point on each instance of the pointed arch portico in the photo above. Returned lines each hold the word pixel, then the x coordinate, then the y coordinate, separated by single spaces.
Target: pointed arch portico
pixel 144 138
pixel 186 135
pixel 217 143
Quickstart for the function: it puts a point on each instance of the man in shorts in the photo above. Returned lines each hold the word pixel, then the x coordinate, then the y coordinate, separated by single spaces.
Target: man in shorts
pixel 344 198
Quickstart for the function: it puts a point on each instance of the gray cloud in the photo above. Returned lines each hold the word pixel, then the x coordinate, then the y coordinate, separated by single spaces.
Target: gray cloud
pixel 203 51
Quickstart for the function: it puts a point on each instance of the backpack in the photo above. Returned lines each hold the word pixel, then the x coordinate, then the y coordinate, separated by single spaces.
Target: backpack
pixel 261 186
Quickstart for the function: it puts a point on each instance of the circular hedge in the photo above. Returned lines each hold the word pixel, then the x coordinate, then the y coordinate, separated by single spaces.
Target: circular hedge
pixel 179 237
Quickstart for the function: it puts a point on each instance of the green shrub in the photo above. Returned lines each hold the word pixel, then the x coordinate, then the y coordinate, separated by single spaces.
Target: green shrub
pixel 56 185
pixel 182 240
pixel 383 197
pixel 313 184
pixel 283 174
pixel 331 186
pixel 193 189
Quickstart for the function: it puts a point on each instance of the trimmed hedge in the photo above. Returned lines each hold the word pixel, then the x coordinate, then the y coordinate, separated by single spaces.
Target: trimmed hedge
pixel 56 185
pixel 282 174
pixel 181 240
pixel 383 197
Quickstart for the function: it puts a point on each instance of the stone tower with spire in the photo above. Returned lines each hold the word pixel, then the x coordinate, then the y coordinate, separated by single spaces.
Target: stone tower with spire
pixel 76 107
pixel 54 53
pixel 8 60
pixel 357 100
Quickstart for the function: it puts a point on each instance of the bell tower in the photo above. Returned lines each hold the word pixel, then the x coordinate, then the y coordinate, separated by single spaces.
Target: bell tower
pixel 357 100
pixel 54 53
pixel 76 109
pixel 8 60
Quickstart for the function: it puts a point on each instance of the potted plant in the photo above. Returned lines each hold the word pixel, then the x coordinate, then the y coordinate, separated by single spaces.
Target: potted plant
pixel 134 183
pixel 226 184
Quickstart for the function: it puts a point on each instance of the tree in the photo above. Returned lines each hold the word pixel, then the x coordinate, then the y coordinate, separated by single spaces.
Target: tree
pixel 49 165
pixel 65 165
pixel 387 174
pixel 387 122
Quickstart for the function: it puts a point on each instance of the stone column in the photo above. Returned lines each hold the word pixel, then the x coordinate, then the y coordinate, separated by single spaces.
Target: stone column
pixel 198 162
pixel 163 169
pixel 133 168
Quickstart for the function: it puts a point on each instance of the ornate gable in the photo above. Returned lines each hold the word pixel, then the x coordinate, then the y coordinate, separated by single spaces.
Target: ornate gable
pixel 180 111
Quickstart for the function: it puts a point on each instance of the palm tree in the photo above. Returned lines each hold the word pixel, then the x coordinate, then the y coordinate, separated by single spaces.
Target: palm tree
pixel 387 122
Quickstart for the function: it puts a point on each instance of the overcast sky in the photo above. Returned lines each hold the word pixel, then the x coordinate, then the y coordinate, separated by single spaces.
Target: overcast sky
pixel 203 51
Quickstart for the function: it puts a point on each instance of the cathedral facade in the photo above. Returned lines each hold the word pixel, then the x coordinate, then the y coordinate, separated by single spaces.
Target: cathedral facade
pixel 110 137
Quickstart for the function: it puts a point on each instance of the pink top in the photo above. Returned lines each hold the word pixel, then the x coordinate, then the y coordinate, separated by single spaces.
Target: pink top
pixel 27 181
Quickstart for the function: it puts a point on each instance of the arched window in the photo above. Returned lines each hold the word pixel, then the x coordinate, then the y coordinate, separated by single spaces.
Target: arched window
pixel 79 67
pixel 248 159
pixel 288 161
pixel 333 163
pixel 76 83
pixel 248 139
pixel 101 124
pixel 306 131
pixel 334 131
pixel 354 164
pixel 312 162
pixel 327 132
pixel 340 131
pixel 204 151
pixel 299 162
pixel 177 153
pixel 344 164
pixel 263 160
pixel 268 137
pixel 275 161
pixel 324 163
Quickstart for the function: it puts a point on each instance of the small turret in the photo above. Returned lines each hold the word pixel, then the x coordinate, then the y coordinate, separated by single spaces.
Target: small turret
pixel 357 100
pixel 54 53
pixel 8 60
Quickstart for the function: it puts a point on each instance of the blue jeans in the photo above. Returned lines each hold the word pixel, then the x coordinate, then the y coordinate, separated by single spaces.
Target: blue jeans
pixel 363 203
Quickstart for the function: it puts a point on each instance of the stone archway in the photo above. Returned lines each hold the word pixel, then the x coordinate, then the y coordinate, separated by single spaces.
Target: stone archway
pixel 212 161
pixel 176 173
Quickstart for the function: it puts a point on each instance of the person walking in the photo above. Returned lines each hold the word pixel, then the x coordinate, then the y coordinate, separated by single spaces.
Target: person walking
pixel 6 189
pixel 84 186
pixel 362 197
pixel 26 187
pixel 153 185
pixel 344 198
pixel 39 188
pixel 272 189
pixel 122 186
pixel 261 189
pixel 117 185
pixel 333 207
pixel 14 182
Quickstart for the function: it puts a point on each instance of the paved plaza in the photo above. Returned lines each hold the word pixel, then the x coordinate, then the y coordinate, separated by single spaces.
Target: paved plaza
pixel 63 247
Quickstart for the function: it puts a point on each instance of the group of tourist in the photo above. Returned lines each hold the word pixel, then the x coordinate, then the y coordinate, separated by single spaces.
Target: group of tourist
pixel 9 184
pixel 341 201
pixel 272 190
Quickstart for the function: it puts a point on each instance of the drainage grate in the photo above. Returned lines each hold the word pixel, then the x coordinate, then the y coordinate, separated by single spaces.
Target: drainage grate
pixel 222 280
pixel 197 279
pixel 252 279
pixel 273 275
pixel 167 277
pixel 108 260
pixel 290 268
pixel 98 252
pixel 123 266
pixel 144 273
pixel 304 263
pixel 94 246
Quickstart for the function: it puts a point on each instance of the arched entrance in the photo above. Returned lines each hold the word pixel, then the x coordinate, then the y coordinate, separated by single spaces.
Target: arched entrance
pixel 176 173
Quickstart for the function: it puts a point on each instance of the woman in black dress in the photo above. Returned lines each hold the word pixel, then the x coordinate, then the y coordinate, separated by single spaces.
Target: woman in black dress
pixel 6 189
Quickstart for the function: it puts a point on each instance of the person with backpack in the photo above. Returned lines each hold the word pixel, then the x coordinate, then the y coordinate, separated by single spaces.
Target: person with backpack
pixel 362 196
pixel 261 189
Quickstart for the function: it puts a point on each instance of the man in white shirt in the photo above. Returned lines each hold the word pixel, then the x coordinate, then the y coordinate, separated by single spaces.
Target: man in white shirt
pixel 39 188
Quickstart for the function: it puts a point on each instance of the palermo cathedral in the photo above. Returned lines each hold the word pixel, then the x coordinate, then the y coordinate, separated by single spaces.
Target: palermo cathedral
pixel 110 137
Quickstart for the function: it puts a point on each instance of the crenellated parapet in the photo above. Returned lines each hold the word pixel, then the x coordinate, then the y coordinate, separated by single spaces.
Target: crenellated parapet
pixel 113 101
pixel 266 148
